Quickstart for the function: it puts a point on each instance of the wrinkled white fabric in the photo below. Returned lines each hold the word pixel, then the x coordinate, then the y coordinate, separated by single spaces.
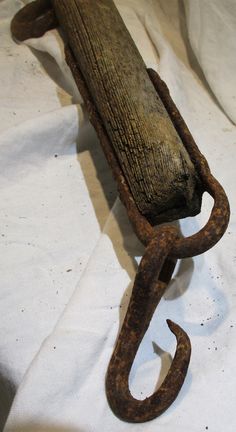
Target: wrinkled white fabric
pixel 211 28
pixel 69 260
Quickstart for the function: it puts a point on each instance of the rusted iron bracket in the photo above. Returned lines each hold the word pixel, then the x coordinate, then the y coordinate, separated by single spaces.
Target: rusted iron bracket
pixel 164 245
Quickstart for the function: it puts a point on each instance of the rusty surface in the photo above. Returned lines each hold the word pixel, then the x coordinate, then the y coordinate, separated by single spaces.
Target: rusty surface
pixel 211 233
pixel 147 292
pixel 33 20
pixel 164 245
pixel 218 221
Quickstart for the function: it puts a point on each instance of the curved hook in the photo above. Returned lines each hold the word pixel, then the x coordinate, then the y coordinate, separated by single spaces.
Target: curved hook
pixel 147 292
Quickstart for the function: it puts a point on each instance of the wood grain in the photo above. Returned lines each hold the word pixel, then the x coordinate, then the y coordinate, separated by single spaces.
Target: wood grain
pixel 154 160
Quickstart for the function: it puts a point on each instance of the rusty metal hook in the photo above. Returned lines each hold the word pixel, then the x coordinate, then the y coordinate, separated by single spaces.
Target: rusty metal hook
pixel 162 251
pixel 163 246
pixel 147 292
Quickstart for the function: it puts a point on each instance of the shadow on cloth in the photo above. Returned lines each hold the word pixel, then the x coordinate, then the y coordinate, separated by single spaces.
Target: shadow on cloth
pixel 7 393
pixel 193 61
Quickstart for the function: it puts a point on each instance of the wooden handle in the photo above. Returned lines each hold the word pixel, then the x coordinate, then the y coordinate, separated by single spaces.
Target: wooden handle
pixel 153 159
pixel 156 166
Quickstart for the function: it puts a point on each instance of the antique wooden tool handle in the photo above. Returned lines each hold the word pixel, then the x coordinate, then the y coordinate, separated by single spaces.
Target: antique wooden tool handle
pixel 162 179
pixel 155 163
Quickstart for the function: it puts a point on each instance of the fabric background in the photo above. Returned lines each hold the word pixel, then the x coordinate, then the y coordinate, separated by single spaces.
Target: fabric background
pixel 68 252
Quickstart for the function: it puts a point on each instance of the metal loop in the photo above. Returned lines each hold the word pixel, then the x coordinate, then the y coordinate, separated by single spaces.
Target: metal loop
pixel 33 20
pixel 211 233
pixel 214 229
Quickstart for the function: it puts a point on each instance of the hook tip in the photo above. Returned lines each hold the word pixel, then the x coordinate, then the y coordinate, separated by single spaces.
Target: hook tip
pixel 172 326
pixel 181 336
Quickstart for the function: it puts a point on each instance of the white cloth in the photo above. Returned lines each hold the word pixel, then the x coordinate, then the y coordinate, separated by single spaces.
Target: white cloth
pixel 68 260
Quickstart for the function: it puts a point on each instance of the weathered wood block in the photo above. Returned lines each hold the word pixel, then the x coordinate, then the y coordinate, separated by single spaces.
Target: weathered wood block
pixel 155 163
